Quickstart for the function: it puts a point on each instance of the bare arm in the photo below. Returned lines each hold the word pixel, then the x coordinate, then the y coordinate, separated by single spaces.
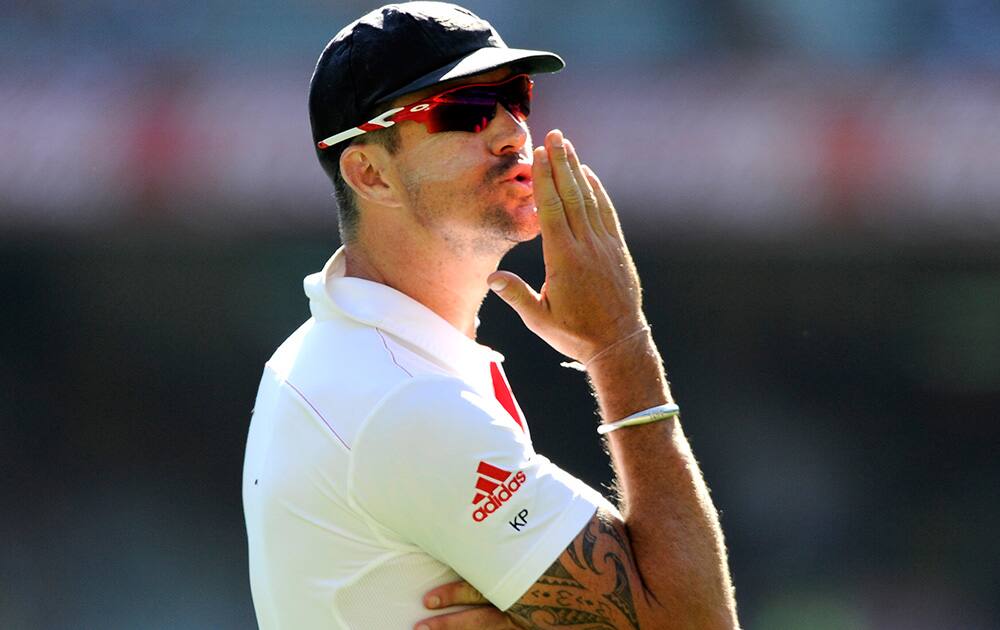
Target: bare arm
pixel 663 564
pixel 594 584
pixel 672 522
pixel 590 301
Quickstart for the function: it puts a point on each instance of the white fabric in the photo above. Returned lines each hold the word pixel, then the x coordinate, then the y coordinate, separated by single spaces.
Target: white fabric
pixel 372 426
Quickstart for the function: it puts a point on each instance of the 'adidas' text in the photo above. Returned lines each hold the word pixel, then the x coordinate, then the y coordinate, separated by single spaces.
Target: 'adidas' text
pixel 493 494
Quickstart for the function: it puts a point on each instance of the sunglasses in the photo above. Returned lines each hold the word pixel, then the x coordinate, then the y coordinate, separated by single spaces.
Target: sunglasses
pixel 468 107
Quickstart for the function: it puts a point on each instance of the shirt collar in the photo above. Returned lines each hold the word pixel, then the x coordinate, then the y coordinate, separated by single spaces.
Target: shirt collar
pixel 331 293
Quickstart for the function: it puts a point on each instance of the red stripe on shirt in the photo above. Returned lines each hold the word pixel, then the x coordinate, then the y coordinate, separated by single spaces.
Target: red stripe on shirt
pixel 504 396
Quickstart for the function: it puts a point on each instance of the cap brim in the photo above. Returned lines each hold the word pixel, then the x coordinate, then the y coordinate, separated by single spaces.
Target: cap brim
pixel 484 60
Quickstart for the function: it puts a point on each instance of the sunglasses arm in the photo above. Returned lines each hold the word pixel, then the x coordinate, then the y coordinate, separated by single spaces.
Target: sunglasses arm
pixel 379 122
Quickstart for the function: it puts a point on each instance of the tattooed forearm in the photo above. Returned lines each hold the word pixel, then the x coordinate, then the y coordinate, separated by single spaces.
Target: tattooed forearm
pixel 557 617
pixel 611 530
pixel 557 575
pixel 571 552
pixel 621 597
pixel 588 544
pixel 569 595
pixel 559 600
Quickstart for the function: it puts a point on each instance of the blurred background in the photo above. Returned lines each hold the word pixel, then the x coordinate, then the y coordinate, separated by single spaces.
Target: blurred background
pixel 812 194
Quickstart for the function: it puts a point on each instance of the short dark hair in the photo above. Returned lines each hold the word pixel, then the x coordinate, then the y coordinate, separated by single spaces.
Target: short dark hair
pixel 348 213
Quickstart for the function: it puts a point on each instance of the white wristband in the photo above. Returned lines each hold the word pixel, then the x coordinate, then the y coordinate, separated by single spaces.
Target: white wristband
pixel 653 414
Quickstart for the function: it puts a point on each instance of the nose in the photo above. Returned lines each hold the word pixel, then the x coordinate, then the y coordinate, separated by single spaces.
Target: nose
pixel 506 133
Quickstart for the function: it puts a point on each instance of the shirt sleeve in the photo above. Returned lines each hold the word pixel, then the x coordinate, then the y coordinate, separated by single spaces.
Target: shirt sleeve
pixel 449 471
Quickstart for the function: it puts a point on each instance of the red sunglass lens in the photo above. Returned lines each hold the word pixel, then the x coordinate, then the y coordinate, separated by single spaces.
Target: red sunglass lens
pixel 459 117
pixel 472 108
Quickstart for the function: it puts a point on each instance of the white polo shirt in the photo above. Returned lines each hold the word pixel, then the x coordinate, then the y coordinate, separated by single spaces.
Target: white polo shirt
pixel 386 455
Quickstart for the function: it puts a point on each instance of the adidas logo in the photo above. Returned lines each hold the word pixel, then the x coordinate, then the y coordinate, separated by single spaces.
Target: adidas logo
pixel 494 487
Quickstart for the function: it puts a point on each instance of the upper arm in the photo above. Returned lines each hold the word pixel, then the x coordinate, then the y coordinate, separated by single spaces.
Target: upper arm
pixel 594 583
pixel 444 469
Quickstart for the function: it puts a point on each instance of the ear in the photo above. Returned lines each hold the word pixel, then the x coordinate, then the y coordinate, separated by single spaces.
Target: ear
pixel 365 168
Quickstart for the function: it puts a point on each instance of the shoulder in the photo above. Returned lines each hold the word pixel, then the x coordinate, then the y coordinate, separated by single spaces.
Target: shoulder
pixel 436 418
pixel 437 404
pixel 342 370
pixel 440 392
pixel 340 350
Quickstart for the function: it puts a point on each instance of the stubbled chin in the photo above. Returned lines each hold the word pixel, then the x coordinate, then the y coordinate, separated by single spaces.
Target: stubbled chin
pixel 525 209
pixel 526 219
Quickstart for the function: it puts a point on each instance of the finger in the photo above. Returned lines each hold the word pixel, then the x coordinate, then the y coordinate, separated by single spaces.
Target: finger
pixel 569 192
pixel 551 215
pixel 557 237
pixel 590 205
pixel 609 217
pixel 453 594
pixel 518 295
pixel 478 618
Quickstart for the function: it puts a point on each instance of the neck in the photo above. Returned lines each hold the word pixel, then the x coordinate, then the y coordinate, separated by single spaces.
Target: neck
pixel 451 285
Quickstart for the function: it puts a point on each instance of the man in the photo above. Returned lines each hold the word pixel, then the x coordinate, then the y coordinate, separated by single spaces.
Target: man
pixel 388 465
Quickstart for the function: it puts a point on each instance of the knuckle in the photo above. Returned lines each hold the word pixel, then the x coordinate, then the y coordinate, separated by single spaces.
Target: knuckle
pixel 552 203
pixel 455 591
pixel 471 594
pixel 573 195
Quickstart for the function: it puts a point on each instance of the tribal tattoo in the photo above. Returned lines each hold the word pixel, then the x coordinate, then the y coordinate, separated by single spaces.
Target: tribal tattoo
pixel 560 597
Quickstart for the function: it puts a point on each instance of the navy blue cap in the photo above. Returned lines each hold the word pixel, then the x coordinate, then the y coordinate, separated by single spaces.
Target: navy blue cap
pixel 402 48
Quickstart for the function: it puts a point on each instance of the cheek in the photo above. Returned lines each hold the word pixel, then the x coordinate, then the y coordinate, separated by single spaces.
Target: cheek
pixel 442 170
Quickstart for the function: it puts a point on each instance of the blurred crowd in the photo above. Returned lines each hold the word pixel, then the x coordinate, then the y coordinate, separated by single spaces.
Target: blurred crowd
pixel 811 191
pixel 780 116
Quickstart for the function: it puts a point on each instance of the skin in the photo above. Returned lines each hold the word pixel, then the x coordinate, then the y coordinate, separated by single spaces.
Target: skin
pixel 436 220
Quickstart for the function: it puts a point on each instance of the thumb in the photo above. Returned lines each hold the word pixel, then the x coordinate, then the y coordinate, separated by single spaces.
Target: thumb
pixel 516 293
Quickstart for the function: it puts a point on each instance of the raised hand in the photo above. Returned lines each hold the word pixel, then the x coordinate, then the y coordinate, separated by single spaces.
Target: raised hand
pixel 591 298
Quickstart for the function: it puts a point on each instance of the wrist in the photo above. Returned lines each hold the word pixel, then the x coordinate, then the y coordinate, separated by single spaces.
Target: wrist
pixel 623 350
pixel 647 416
pixel 629 378
pixel 642 331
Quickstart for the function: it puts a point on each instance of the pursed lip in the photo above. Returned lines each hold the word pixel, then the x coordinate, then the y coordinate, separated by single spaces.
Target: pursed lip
pixel 520 173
